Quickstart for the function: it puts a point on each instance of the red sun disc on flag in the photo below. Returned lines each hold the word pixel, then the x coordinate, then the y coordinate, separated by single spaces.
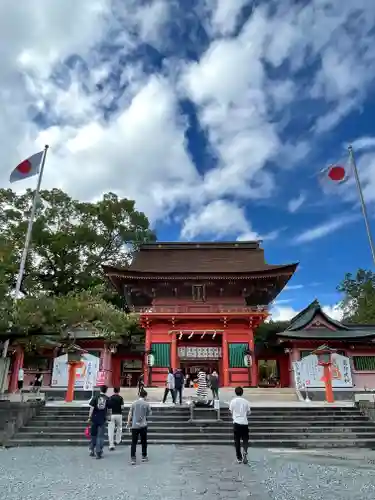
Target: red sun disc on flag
pixel 336 173
pixel 24 167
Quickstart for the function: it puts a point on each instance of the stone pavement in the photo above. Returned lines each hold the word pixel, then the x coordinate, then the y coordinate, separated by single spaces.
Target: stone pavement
pixel 176 473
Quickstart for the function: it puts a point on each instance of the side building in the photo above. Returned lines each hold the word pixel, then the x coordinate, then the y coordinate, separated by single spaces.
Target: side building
pixel 312 328
pixel 200 304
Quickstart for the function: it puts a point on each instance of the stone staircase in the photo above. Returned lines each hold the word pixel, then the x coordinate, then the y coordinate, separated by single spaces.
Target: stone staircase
pixel 253 394
pixel 297 427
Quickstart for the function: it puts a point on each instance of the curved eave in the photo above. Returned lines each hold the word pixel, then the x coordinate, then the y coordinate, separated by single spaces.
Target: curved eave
pixel 342 335
pixel 269 271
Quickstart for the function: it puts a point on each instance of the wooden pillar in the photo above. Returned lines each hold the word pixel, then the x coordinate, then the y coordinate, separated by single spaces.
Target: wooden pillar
pixel 72 368
pixel 18 363
pixel 174 352
pixel 225 359
pixel 106 362
pixel 147 349
pixel 254 366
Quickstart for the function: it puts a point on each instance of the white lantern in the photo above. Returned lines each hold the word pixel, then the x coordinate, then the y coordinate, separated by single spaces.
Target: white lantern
pixel 248 360
pixel 150 360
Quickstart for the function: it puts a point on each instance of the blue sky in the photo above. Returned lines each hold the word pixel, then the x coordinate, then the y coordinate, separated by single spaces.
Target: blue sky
pixel 215 116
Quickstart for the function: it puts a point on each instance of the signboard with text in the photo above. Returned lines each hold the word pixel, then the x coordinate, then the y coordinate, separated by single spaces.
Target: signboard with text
pixel 308 372
pixel 199 353
pixel 60 370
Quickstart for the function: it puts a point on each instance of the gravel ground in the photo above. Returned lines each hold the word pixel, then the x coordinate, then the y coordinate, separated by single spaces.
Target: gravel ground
pixel 176 473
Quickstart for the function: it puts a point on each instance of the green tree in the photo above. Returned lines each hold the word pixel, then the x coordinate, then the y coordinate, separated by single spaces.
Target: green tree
pixel 358 303
pixel 266 332
pixel 71 239
pixel 59 314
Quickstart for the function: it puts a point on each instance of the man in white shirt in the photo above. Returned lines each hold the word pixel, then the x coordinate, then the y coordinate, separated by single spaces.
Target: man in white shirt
pixel 240 409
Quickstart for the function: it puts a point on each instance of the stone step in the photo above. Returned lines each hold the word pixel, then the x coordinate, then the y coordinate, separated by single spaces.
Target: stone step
pixel 185 409
pixel 178 418
pixel 292 424
pixel 212 433
pixel 261 443
pixel 219 427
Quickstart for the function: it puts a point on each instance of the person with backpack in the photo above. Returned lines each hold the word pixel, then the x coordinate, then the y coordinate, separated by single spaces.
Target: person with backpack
pixel 178 384
pixel 98 415
pixel 137 422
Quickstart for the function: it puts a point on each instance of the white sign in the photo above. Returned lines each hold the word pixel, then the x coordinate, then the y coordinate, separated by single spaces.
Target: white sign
pixel 60 370
pixel 199 352
pixel 89 381
pixel 309 372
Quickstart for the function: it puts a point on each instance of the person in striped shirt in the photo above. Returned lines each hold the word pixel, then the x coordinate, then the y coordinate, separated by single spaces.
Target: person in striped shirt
pixel 202 392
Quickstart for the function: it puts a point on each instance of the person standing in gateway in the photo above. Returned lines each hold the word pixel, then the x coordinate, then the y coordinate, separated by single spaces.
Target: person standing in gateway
pixel 137 421
pixel 240 409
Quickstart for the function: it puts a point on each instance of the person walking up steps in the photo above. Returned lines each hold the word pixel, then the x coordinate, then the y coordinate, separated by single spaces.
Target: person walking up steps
pixel 202 393
pixel 116 404
pixel 137 421
pixel 214 384
pixel 99 412
pixel 170 387
pixel 178 384
pixel 240 409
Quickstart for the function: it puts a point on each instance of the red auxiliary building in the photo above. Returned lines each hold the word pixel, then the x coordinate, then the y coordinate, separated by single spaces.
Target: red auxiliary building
pixel 200 304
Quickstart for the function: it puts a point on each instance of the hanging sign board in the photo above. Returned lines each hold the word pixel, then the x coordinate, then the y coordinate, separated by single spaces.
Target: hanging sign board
pixel 308 372
pixel 60 370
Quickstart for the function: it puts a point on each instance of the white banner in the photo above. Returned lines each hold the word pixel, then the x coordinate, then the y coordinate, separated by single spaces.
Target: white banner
pixel 89 381
pixel 60 371
pixel 309 372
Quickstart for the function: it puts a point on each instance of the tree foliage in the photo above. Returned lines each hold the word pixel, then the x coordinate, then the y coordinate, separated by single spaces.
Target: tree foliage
pixel 64 287
pixel 358 304
pixel 71 239
pixel 61 314
pixel 266 332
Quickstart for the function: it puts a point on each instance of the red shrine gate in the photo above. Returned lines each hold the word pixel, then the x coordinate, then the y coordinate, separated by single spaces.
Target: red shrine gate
pixel 200 304
pixel 202 340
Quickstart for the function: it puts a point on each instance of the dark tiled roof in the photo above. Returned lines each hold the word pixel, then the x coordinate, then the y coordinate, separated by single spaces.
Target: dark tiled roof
pixel 326 333
pixel 307 315
pixel 297 328
pixel 196 258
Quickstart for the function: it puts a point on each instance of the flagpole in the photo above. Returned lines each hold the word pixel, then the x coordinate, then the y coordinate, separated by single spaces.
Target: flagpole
pixel 28 237
pixel 362 200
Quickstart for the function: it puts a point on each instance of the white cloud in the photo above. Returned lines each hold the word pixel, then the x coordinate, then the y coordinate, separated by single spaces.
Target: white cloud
pixel 217 219
pixel 294 287
pixel 363 143
pixel 296 203
pixel 225 14
pixel 286 313
pixel 114 126
pixel 334 312
pixel 324 229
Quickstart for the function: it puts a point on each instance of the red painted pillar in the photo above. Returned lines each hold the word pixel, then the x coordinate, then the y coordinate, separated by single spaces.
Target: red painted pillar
pixel 174 352
pixel 18 363
pixel 147 348
pixel 72 368
pixel 328 384
pixel 225 359
pixel 254 366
